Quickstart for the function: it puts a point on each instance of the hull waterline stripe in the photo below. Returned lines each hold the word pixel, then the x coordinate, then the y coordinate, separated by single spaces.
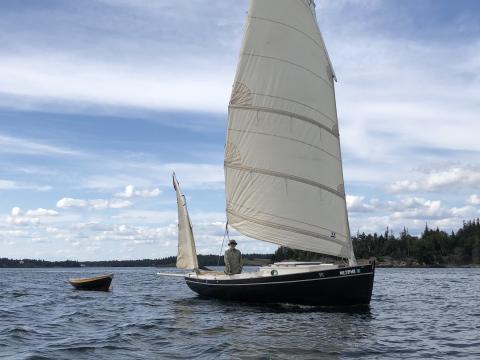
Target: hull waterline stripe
pixel 272 283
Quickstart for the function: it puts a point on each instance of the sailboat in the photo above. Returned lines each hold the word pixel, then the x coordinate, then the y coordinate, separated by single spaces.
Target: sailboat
pixel 283 167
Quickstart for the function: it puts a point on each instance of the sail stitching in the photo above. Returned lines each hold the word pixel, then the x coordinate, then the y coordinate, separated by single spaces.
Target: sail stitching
pixel 291 27
pixel 241 94
pixel 291 63
pixel 284 218
pixel 334 122
pixel 286 138
pixel 286 113
pixel 287 228
pixel 284 176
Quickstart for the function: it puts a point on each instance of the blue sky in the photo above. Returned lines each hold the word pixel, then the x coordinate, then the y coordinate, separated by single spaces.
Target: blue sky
pixel 101 100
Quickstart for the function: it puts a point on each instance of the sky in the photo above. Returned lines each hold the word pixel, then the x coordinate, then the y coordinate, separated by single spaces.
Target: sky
pixel 100 100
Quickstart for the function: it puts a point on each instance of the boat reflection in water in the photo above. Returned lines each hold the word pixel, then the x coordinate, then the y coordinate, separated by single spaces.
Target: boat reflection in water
pixel 97 283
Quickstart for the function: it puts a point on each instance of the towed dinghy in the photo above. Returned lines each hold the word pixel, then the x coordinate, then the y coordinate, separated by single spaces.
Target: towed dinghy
pixel 97 283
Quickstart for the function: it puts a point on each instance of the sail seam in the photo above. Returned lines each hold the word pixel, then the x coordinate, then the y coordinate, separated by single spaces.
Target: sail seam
pixel 334 122
pixel 329 84
pixel 286 113
pixel 286 228
pixel 285 138
pixel 291 27
pixel 284 218
pixel 284 176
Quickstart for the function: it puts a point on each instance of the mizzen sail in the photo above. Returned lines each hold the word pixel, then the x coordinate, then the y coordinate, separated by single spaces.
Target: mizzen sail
pixel 284 179
pixel 187 254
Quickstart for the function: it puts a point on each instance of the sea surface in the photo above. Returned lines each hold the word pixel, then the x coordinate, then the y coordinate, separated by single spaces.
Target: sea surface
pixel 414 313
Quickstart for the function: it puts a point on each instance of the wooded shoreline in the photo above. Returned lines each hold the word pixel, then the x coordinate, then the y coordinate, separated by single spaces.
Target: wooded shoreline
pixel 434 248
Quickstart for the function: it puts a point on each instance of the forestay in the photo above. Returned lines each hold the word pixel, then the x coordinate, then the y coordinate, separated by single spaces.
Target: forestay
pixel 187 254
pixel 284 180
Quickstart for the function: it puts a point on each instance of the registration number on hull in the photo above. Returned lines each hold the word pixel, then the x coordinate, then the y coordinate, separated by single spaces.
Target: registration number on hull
pixel 350 272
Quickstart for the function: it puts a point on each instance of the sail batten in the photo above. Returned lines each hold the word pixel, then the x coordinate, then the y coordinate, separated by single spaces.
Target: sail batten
pixel 290 229
pixel 332 130
pixel 283 171
pixel 328 83
pixel 286 177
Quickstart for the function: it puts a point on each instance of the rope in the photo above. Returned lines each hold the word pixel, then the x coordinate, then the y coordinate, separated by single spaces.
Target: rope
pixel 225 235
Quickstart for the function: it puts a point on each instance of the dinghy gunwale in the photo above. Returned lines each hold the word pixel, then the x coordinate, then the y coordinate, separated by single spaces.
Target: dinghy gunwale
pixel 97 283
pixel 87 280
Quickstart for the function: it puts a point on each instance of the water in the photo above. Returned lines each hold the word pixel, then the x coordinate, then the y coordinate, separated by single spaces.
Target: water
pixel 414 313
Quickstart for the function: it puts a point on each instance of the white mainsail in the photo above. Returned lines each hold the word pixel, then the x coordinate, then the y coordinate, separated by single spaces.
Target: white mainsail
pixel 187 254
pixel 283 169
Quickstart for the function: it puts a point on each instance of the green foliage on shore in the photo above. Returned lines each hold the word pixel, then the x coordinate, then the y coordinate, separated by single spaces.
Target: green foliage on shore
pixel 204 260
pixel 433 247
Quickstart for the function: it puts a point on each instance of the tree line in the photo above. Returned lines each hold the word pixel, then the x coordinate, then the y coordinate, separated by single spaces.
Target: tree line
pixel 432 247
pixel 203 260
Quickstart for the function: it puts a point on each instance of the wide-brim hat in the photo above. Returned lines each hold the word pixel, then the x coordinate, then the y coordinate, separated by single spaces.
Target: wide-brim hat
pixel 232 242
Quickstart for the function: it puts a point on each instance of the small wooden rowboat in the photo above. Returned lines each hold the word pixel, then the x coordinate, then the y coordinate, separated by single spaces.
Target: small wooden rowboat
pixel 98 283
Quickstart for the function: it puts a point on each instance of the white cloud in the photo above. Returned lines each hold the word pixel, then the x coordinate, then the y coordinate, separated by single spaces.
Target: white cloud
pixel 356 204
pixel 453 178
pixel 96 204
pixel 8 185
pixel 149 174
pixel 131 192
pixel 413 213
pixel 41 212
pixel 65 77
pixel 120 204
pixel 16 211
pixel 66 203
pixel 99 204
pixel 22 220
pixel 10 144
pixel 15 185
pixel 474 199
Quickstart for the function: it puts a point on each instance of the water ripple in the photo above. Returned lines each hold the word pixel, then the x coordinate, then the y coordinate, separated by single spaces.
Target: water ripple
pixel 415 313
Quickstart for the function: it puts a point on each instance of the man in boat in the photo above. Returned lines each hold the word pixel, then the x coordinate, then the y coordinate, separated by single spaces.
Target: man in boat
pixel 233 259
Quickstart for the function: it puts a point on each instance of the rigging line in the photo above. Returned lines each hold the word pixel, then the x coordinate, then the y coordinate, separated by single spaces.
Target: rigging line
pixel 223 241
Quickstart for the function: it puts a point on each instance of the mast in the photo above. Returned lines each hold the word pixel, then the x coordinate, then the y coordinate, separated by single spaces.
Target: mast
pixel 283 171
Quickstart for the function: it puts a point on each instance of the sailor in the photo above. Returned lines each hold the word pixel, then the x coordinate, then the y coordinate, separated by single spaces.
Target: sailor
pixel 233 259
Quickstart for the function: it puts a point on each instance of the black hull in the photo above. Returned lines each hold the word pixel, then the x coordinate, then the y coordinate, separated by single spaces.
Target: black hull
pixel 93 284
pixel 339 287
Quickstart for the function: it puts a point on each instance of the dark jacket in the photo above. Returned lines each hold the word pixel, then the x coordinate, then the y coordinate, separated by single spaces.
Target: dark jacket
pixel 233 262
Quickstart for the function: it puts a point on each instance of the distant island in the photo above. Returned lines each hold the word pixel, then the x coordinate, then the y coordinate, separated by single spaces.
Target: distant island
pixel 433 248
pixel 204 260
